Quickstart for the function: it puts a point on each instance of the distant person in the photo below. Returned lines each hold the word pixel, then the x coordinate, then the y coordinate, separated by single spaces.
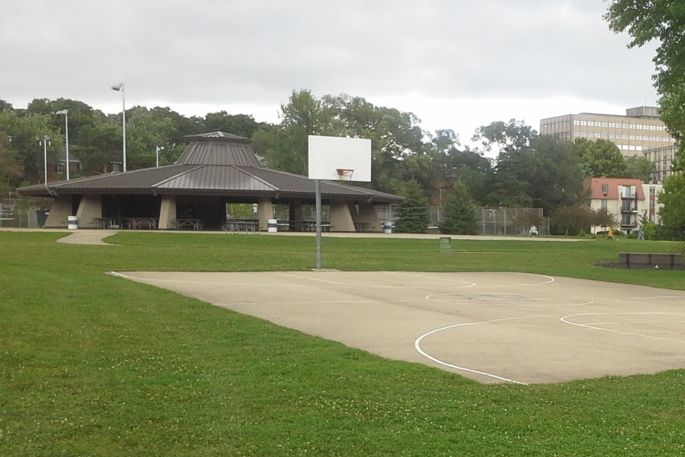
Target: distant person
pixel 640 232
pixel 533 231
pixel 610 235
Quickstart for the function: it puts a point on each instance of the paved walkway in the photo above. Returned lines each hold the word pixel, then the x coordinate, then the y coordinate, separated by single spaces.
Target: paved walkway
pixel 88 237
pixel 96 237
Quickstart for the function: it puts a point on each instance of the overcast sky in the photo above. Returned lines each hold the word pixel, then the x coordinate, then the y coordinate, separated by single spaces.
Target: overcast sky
pixel 455 64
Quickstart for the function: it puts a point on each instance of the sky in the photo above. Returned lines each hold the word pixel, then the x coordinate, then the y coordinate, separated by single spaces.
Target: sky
pixel 455 64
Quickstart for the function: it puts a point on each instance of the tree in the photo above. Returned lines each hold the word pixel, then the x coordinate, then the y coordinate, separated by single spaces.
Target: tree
pixel 10 171
pixel 534 171
pixel 662 21
pixel 600 158
pixel 639 167
pixel 412 214
pixel 285 147
pixel 460 216
pixel 572 220
pixel 511 136
pixel 673 198
pixel 23 132
pixel 236 124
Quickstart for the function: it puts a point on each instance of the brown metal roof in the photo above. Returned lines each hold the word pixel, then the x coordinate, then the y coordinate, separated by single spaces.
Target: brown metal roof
pixel 219 153
pixel 218 164
pixel 216 178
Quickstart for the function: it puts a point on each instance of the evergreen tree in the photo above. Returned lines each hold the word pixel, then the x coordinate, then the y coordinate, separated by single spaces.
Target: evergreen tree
pixel 460 216
pixel 413 212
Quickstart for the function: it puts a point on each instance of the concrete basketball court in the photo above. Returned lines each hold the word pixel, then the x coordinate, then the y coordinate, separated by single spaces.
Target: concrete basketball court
pixel 490 327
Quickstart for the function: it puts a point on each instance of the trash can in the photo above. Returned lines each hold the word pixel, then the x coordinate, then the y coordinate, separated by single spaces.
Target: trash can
pixel 445 244
pixel 272 225
pixel 72 222
pixel 387 227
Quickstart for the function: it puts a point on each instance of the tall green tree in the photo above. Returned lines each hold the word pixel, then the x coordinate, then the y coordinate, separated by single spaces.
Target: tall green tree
pixel 639 167
pixel 600 158
pixel 236 124
pixel 459 212
pixel 412 214
pixel 23 131
pixel 662 21
pixel 285 146
pixel 10 170
pixel 673 199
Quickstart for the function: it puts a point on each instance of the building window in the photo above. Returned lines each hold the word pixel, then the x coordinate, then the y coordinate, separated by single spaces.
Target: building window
pixel 605 189
pixel 604 203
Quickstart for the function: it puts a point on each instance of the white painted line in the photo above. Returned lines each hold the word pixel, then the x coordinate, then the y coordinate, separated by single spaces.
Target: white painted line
pixel 658 297
pixel 372 286
pixel 565 319
pixel 549 280
pixel 417 346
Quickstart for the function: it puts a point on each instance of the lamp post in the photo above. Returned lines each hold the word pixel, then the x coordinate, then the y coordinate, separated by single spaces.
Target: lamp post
pixel 44 141
pixel 121 88
pixel 65 112
pixel 157 149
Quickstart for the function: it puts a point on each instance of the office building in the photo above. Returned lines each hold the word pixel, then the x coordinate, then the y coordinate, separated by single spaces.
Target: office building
pixel 639 130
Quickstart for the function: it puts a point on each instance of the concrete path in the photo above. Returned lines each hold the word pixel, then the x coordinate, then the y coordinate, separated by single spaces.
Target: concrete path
pixel 88 237
pixel 491 327
pixel 92 235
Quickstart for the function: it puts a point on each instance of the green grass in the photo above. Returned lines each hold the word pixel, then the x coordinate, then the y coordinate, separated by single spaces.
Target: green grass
pixel 96 365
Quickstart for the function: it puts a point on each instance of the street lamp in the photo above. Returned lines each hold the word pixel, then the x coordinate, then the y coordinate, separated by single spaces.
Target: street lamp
pixel 65 112
pixel 121 88
pixel 157 149
pixel 44 142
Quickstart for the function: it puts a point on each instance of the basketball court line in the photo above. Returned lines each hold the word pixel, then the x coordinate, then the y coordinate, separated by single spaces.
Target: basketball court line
pixel 565 320
pixel 417 346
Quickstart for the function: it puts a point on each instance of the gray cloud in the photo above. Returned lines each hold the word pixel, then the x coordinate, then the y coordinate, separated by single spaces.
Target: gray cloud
pixel 256 52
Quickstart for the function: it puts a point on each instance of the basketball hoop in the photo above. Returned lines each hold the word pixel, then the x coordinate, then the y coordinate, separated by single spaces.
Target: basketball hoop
pixel 345 174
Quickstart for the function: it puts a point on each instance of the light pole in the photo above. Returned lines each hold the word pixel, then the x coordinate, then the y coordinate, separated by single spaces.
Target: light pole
pixel 44 141
pixel 65 112
pixel 121 88
pixel 157 149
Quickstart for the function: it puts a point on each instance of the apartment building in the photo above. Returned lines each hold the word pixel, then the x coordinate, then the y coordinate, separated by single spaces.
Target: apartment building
pixel 662 158
pixel 639 130
pixel 627 200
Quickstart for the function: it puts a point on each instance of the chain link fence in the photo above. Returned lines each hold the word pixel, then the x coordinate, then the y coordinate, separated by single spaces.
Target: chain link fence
pixel 512 221
pixel 13 217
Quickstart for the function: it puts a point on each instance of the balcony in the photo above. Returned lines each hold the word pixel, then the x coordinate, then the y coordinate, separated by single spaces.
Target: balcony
pixel 629 207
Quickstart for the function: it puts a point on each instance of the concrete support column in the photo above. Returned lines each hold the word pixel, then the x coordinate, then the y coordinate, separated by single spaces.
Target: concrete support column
pixel 89 209
pixel 167 212
pixel 265 211
pixel 341 217
pixel 369 217
pixel 59 210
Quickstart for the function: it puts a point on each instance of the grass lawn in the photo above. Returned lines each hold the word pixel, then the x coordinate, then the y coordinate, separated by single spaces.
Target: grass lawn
pixel 93 365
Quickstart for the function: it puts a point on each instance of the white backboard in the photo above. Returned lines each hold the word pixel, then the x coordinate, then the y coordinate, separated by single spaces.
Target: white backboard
pixel 327 154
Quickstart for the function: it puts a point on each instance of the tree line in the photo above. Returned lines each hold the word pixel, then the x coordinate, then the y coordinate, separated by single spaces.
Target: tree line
pixel 510 165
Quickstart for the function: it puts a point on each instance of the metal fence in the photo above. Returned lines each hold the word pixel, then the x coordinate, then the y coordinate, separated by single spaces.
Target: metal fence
pixel 512 221
pixel 11 216
pixel 501 221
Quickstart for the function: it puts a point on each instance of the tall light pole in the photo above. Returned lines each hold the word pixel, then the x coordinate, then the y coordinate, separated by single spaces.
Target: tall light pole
pixel 157 149
pixel 121 88
pixel 44 141
pixel 65 112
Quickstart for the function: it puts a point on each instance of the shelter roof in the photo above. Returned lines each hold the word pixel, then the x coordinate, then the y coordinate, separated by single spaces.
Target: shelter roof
pixel 215 163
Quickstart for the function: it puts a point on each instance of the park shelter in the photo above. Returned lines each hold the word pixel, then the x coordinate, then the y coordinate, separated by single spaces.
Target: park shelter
pixel 215 169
